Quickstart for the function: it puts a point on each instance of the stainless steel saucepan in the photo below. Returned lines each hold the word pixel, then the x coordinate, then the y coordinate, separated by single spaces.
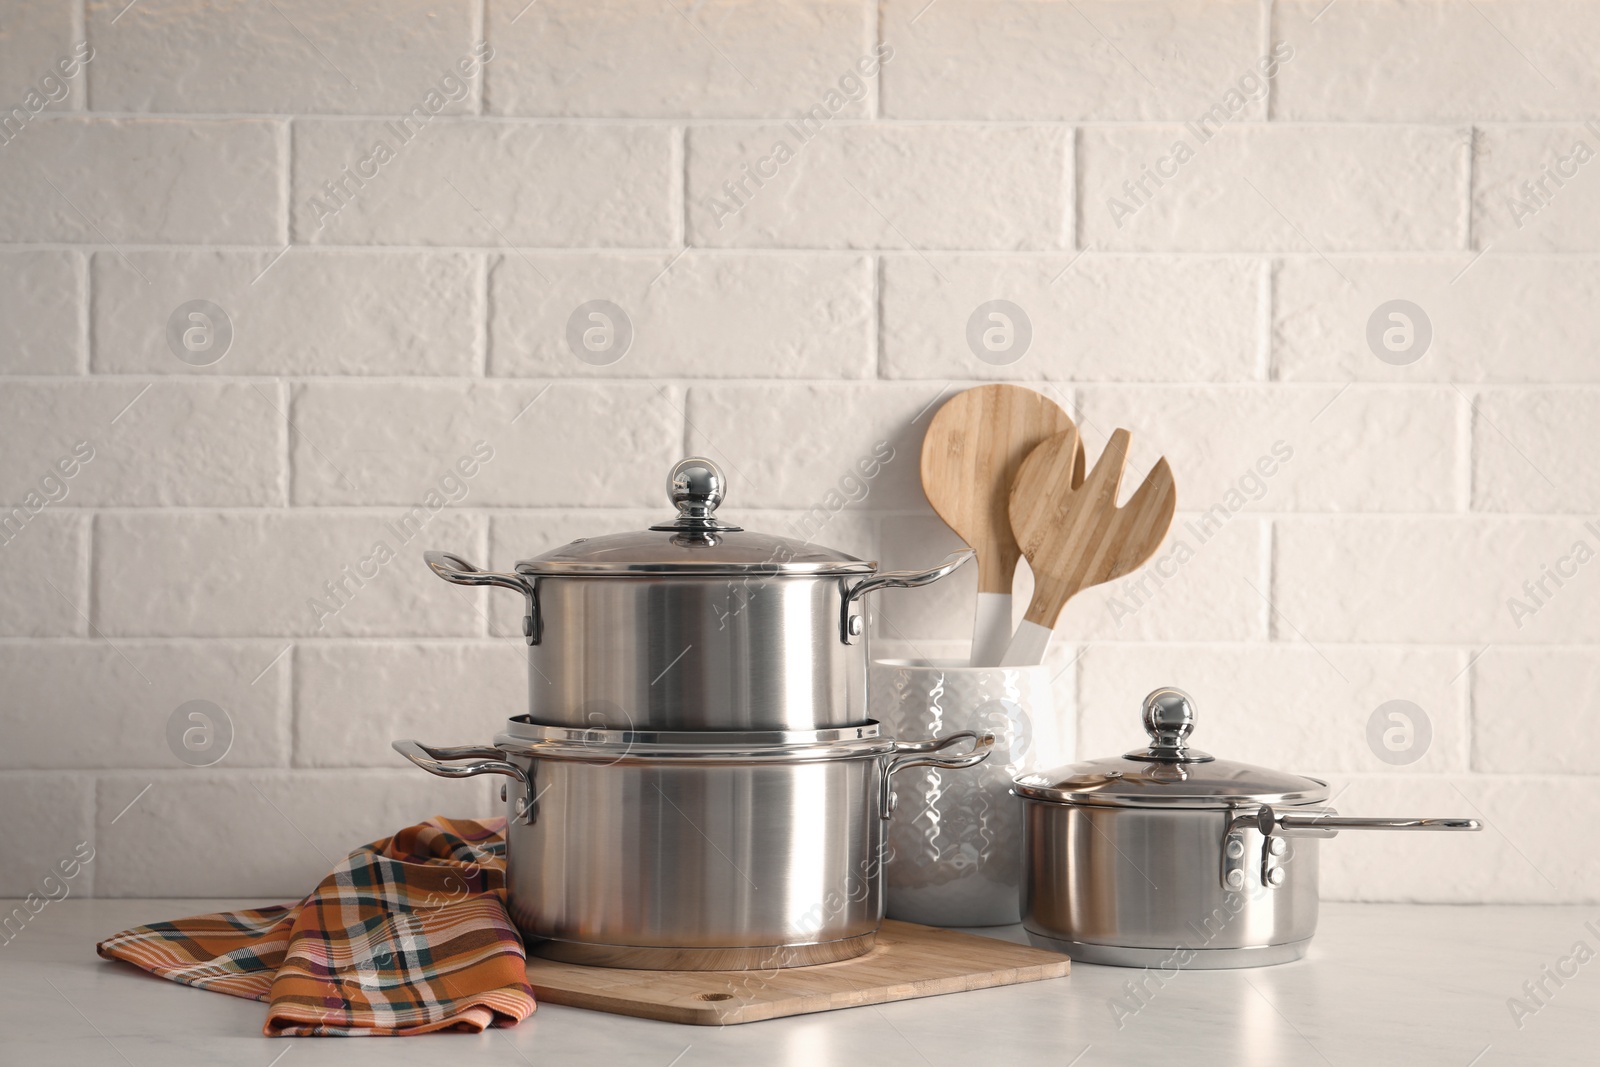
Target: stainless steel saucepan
pixel 696 851
pixel 695 624
pixel 1168 857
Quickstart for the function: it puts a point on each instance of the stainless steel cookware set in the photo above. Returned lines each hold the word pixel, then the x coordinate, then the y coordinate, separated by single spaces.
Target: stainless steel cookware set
pixel 698 783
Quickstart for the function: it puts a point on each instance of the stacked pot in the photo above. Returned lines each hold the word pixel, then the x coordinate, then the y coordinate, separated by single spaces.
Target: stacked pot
pixel 698 783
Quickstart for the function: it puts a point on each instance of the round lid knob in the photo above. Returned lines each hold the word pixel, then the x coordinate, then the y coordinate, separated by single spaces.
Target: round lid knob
pixel 696 486
pixel 1169 720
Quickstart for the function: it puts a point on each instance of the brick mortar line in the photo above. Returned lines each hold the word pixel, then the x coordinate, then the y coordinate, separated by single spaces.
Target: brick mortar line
pixel 1075 190
pixel 1472 186
pixel 1268 32
pixel 480 32
pixel 512 639
pixel 679 166
pixel 1443 255
pixel 843 383
pixel 482 328
pixel 284 392
pixel 885 122
pixel 875 38
pixel 1469 697
pixel 201 775
pixel 496 641
pixel 84 306
pixel 1267 309
pixel 284 143
pixel 80 32
pixel 85 569
pixel 879 322
pixel 1269 577
pixel 544 510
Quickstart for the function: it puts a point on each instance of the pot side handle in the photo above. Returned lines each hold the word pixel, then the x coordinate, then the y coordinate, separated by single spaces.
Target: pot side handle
pixel 929 754
pixel 442 761
pixel 479 760
pixel 848 628
pixel 454 569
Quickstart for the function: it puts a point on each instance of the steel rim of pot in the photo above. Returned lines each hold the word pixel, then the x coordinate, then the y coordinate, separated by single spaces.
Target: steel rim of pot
pixel 893 755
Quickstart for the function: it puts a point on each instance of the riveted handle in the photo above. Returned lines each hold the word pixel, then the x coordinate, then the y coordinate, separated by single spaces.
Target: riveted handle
pixel 851 625
pixel 930 753
pixel 454 569
pixel 1329 824
pixel 446 763
pixel 1324 823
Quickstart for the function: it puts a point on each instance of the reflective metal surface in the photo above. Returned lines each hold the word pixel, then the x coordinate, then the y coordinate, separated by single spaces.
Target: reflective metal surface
pixel 1169 773
pixel 524 735
pixel 1132 878
pixel 695 542
pixel 694 624
pixel 1168 961
pixel 661 862
pixel 1327 823
pixel 852 625
pixel 696 487
pixel 694 653
pixel 728 551
pixel 682 857
pixel 1170 851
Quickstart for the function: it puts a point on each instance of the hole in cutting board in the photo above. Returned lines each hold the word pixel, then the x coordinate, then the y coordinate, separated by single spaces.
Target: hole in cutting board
pixel 713 996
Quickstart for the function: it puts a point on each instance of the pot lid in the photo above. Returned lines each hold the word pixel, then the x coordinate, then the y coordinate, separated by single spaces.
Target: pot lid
pixel 696 542
pixel 1168 773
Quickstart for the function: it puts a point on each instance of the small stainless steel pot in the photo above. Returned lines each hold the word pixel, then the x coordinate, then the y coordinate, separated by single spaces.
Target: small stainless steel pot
pixel 1171 858
pixel 705 851
pixel 695 624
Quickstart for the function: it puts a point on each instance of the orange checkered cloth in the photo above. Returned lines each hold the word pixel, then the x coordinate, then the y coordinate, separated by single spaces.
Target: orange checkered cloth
pixel 408 935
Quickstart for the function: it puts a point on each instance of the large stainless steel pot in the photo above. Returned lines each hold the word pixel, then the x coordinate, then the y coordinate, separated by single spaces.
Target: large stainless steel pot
pixel 1168 857
pixel 704 851
pixel 695 624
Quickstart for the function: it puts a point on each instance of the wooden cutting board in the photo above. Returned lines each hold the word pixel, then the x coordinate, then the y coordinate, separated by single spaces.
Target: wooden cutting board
pixel 908 961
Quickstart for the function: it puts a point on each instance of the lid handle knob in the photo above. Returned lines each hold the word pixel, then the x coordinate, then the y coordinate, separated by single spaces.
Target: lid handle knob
pixel 1169 720
pixel 696 486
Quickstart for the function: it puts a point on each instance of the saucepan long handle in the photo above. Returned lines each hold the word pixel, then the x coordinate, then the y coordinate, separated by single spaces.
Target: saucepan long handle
pixel 1329 823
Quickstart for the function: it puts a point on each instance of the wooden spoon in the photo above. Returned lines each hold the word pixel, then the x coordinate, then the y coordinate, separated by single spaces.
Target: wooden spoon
pixel 1075 536
pixel 970 454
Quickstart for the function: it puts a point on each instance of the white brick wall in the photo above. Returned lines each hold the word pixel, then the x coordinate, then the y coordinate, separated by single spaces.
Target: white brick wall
pixel 1420 544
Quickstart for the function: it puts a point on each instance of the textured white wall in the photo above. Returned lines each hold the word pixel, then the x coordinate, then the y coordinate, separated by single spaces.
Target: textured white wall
pixel 379 335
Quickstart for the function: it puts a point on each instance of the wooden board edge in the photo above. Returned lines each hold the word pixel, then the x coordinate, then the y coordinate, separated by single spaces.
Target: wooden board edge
pixel 710 1015
pixel 728 1015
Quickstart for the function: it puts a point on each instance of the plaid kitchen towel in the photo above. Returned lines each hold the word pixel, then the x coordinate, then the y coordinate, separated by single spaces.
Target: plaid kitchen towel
pixel 406 936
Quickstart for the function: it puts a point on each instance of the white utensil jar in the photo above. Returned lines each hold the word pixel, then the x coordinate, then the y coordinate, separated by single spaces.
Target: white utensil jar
pixel 955 840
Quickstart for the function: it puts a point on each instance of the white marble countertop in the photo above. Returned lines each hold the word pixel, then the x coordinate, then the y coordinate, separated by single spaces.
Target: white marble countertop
pixel 1382 984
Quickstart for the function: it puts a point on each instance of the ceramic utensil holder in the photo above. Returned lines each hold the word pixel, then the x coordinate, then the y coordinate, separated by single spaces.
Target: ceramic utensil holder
pixel 956 839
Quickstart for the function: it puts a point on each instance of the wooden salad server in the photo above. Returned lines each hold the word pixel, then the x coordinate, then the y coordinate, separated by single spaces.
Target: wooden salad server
pixel 1074 535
